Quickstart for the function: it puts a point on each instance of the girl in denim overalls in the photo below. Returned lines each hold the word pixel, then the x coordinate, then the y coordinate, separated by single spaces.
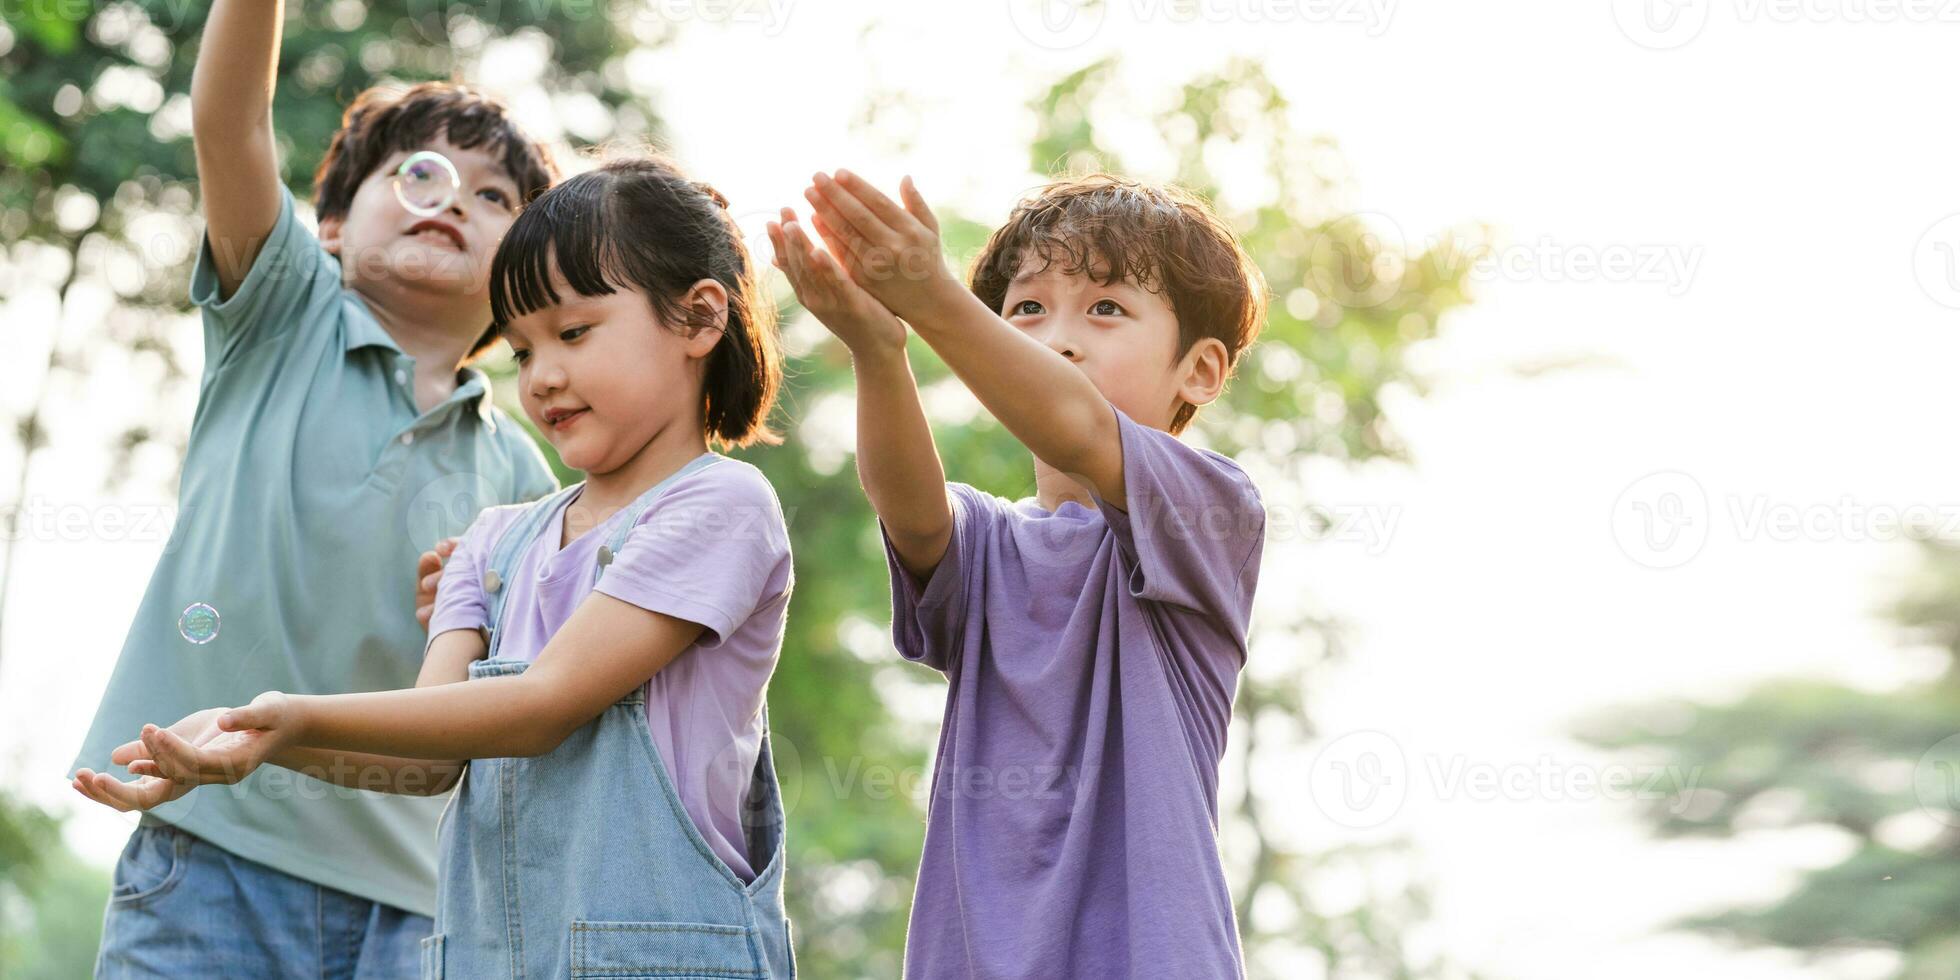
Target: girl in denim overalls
pixel 619 816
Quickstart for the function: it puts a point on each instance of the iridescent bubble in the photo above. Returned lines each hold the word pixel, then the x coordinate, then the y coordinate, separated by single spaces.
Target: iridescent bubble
pixel 199 623
pixel 427 183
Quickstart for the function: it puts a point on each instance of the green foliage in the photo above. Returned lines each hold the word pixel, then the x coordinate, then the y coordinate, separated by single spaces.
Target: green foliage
pixel 50 900
pixel 1808 753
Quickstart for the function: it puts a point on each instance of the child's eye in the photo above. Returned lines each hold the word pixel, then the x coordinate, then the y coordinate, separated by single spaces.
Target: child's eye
pixel 570 334
pixel 520 356
pixel 1027 307
pixel 1105 307
pixel 495 196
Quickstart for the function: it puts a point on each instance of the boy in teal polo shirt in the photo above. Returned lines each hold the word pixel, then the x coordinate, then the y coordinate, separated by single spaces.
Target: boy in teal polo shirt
pixel 337 435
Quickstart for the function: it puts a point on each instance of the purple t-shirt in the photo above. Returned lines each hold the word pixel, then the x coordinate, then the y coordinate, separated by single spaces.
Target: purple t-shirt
pixel 712 550
pixel 1092 657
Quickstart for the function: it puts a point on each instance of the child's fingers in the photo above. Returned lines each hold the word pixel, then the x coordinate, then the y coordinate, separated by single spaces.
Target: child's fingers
pixel 836 243
pixel 168 752
pixel 776 245
pixel 128 752
pixel 447 547
pixel 796 253
pixel 110 791
pixel 146 767
pixel 245 717
pixel 874 200
pixel 853 210
pixel 84 784
pixel 823 205
pixel 829 269
pixel 916 204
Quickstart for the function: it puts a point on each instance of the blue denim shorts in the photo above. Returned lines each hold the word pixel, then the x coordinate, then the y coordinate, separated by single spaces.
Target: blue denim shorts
pixel 181 907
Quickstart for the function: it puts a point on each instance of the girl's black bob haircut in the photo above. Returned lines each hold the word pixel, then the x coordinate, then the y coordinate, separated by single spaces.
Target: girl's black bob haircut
pixel 640 223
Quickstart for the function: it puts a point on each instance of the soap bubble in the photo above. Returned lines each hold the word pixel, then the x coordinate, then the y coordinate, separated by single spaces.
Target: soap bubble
pixel 427 183
pixel 199 623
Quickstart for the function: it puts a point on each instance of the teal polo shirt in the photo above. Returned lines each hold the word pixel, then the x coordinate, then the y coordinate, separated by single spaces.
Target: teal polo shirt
pixel 310 485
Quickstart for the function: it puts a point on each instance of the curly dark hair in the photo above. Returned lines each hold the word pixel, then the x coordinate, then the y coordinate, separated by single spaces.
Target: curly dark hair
pixel 1162 238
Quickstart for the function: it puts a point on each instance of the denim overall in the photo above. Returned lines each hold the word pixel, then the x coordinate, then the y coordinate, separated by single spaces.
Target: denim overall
pixel 582 862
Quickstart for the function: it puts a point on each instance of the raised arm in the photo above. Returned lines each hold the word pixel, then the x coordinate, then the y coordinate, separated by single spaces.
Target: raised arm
pixel 897 463
pixel 1052 408
pixel 231 125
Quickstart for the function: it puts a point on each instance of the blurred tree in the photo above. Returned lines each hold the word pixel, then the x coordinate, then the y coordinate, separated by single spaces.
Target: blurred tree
pixel 1877 768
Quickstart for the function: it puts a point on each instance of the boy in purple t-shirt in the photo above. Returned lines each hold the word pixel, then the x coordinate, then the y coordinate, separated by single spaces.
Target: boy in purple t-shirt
pixel 1092 635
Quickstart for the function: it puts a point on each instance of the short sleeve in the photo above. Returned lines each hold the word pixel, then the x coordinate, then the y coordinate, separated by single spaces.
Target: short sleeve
pixel 929 618
pixel 712 550
pixel 1193 526
pixel 461 603
pixel 291 276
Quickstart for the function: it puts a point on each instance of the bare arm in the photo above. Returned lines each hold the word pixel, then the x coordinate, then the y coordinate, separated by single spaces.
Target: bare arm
pixel 1051 407
pixel 231 125
pixel 447 662
pixel 897 463
pixel 606 649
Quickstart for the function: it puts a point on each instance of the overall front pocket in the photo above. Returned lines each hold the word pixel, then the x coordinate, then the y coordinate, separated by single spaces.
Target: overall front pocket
pixel 663 951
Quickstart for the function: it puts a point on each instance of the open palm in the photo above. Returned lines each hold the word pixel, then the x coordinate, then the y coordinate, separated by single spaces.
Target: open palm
pixel 170 762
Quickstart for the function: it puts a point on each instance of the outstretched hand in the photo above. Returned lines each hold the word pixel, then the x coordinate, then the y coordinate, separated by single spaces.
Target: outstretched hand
pixel 216 745
pixel 893 251
pixel 826 290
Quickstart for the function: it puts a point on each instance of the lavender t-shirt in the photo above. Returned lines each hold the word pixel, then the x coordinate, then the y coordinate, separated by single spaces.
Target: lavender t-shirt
pixel 712 550
pixel 1092 656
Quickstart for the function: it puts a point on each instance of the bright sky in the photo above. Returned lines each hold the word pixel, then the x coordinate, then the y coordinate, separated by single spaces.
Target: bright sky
pixel 1726 210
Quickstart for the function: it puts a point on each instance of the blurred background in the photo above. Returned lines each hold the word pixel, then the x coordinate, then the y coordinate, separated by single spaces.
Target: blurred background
pixel 1611 602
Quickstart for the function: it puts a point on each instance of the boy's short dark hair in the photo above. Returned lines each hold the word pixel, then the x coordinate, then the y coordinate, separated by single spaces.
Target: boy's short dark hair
pixel 1160 237
pixel 385 120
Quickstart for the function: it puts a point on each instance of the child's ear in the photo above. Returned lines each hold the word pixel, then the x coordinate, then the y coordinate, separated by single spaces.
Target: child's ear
pixel 330 235
pixel 1202 372
pixel 706 304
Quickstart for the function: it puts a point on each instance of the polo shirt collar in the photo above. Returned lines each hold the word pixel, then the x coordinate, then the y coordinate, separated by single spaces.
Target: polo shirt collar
pixel 366 331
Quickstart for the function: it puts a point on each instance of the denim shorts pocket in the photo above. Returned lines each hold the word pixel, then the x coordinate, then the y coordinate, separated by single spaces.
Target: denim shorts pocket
pixel 432 957
pixel 663 951
pixel 152 863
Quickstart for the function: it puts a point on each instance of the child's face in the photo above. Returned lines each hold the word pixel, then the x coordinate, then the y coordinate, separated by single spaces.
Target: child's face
pixel 602 376
pixel 447 254
pixel 1122 336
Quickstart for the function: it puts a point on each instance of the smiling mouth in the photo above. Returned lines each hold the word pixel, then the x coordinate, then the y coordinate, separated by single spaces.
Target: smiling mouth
pixel 559 420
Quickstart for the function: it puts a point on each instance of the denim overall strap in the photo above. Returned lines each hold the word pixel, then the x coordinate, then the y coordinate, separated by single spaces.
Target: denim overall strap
pixel 630 518
pixel 504 554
